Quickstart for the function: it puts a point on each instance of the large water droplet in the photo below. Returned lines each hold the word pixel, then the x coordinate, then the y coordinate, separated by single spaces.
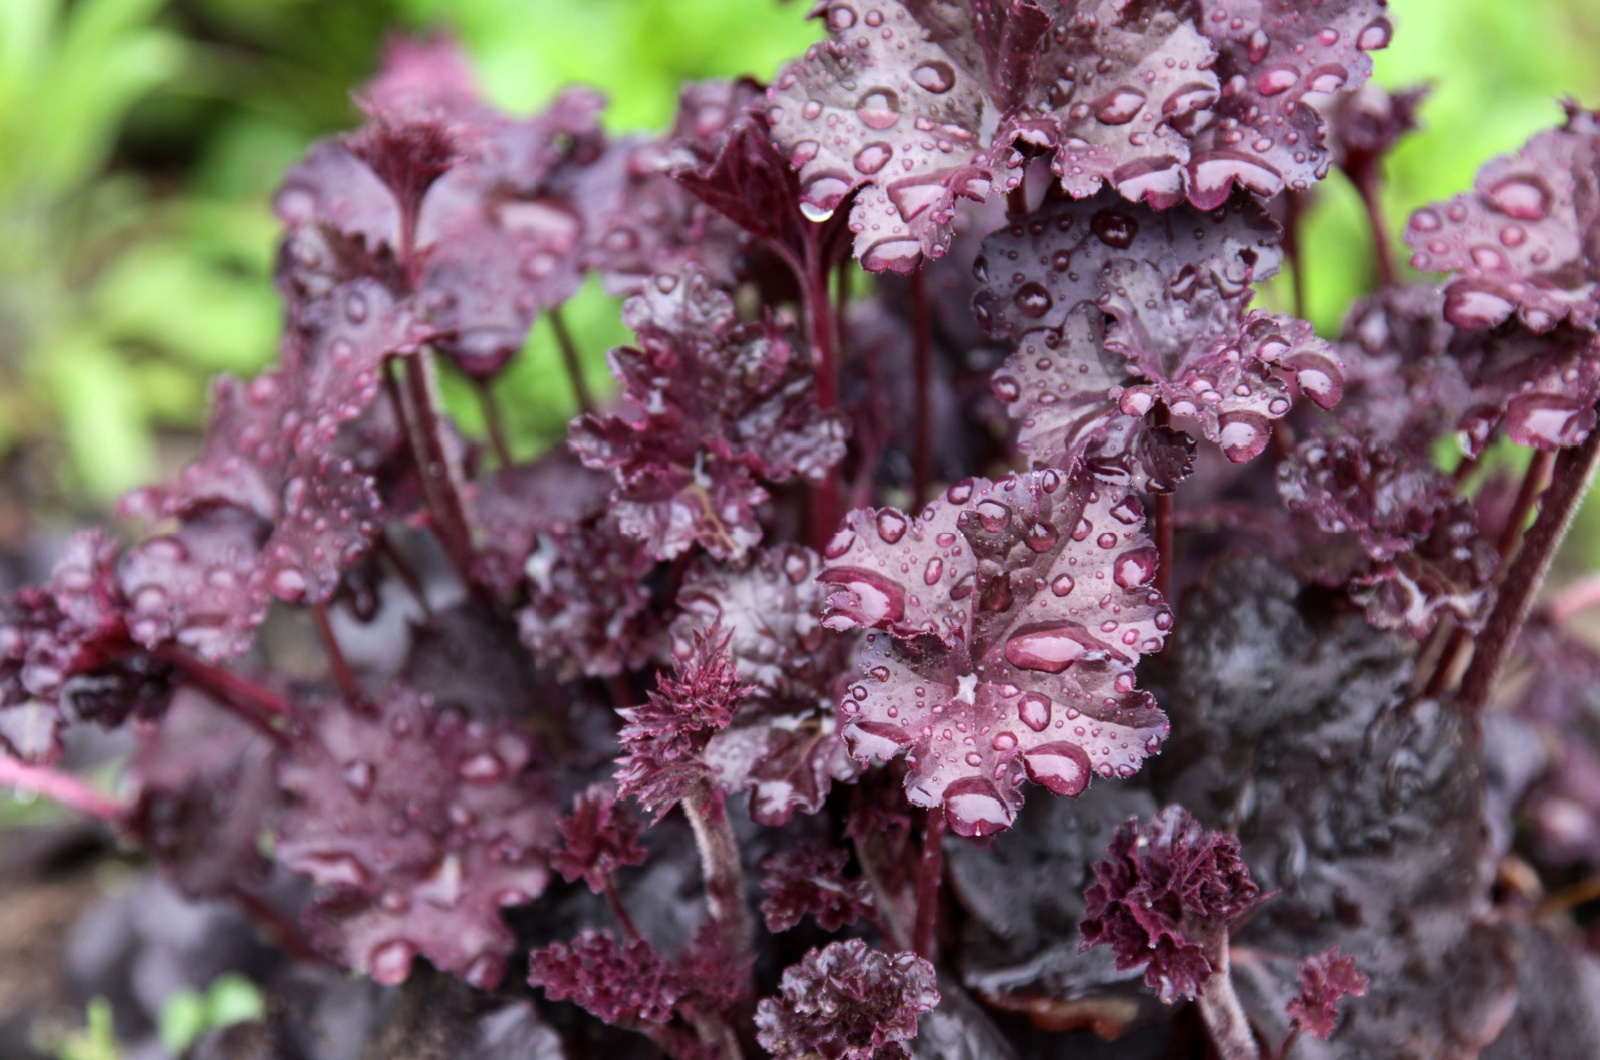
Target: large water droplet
pixel 993 515
pixel 879 109
pixel 1119 106
pixel 1330 77
pixel 873 157
pixel 485 767
pixel 869 598
pixel 1114 228
pixel 1469 306
pixel 1061 767
pixel 1032 300
pixel 1050 647
pixel 1033 710
pixel 932 572
pixel 892 525
pixel 1062 585
pixel 1524 197
pixel 873 740
pixel 1135 568
pixel 390 963
pixel 1277 79
pixel 1243 435
pixel 974 807
pixel 841 17
pixel 899 255
pixel 358 777
pixel 936 76
pixel 1376 35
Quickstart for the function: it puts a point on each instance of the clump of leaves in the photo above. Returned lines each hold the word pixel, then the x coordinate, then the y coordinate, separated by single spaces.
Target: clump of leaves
pixel 821 593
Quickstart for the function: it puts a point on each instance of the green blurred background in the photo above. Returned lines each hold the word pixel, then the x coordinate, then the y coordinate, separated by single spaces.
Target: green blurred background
pixel 140 141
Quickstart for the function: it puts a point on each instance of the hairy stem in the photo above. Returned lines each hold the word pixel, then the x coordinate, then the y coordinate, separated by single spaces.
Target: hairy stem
pixel 922 332
pixel 425 430
pixel 720 866
pixel 1573 470
pixel 343 676
pixel 1224 1016
pixel 59 787
pixel 569 357
pixel 930 879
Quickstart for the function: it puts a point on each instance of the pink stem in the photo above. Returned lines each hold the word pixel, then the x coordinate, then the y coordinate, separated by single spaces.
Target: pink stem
pixel 446 509
pixel 258 706
pixel 720 866
pixel 820 329
pixel 59 787
pixel 1575 599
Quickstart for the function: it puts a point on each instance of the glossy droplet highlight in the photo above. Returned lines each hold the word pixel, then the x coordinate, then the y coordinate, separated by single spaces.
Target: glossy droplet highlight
pixel 1061 767
pixel 1033 710
pixel 936 77
pixel 872 158
pixel 1524 197
pixel 879 109
pixel 1119 106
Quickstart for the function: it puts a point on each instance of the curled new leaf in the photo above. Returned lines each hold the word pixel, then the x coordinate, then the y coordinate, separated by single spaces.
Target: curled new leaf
pixel 809 880
pixel 599 838
pixel 847 1001
pixel 1163 898
pixel 1325 981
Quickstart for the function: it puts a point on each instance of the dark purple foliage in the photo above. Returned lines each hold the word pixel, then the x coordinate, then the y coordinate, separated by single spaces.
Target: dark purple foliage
pixel 809 880
pixel 847 1001
pixel 600 837
pixel 713 408
pixel 366 658
pixel 419 826
pixel 665 738
pixel 1164 898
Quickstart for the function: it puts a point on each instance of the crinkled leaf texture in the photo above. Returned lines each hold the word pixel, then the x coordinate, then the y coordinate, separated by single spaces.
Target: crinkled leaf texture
pixel 1163 898
pixel 713 407
pixel 847 1001
pixel 1325 981
pixel 1293 724
pixel 419 826
pixel 808 879
pixel 600 837
pixel 783 744
pixel 910 105
pixel 1007 621
pixel 1119 309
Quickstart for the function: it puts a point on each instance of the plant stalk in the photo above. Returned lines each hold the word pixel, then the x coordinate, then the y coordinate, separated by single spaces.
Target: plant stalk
pixel 1573 470
pixel 425 430
pixel 720 866
pixel 930 880
pixel 1224 1016
pixel 922 332
pixel 59 787
pixel 569 357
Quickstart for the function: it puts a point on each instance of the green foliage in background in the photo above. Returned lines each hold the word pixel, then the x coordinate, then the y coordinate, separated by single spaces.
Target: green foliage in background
pixel 140 141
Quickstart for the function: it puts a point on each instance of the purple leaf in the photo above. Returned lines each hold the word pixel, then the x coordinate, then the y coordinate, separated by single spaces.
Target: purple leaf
pixel 1176 288
pixel 616 981
pixel 420 826
pixel 1014 614
pixel 205 786
pixel 808 880
pixel 1264 133
pixel 1325 981
pixel 588 609
pixel 782 745
pixel 665 737
pixel 1522 241
pixel 847 1001
pixel 599 838
pixel 1164 897
pixel 712 407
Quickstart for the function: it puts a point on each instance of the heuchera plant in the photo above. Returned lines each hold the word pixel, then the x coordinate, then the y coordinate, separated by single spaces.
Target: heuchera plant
pixel 972 570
